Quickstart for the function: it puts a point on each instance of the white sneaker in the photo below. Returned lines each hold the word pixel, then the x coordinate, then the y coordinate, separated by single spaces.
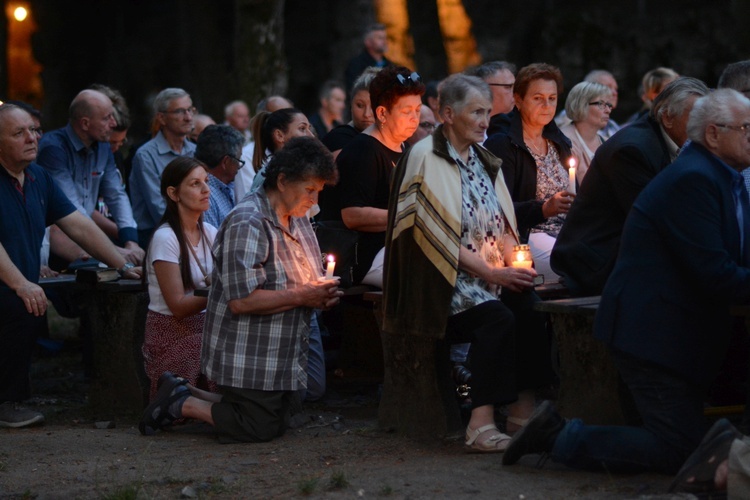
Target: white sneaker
pixel 12 415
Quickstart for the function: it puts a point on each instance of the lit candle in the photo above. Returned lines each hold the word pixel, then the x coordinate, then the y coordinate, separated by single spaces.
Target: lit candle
pixel 329 267
pixel 521 257
pixel 572 175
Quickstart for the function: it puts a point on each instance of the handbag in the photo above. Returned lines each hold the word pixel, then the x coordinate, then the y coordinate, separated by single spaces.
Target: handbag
pixel 336 239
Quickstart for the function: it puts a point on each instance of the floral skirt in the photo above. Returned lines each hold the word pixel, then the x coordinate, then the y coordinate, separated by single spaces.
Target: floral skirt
pixel 174 345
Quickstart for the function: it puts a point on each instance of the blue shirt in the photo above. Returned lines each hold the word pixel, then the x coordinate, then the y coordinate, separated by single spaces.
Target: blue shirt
pixel 26 212
pixel 84 174
pixel 221 201
pixel 145 179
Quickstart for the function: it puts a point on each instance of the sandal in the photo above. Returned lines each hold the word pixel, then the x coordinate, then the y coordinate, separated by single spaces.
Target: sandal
pixel 158 414
pixel 496 443
pixel 169 377
pixel 697 474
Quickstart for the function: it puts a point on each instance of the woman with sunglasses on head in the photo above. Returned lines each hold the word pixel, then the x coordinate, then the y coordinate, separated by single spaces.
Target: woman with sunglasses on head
pixel 535 158
pixel 366 164
pixel 178 261
pixel 588 106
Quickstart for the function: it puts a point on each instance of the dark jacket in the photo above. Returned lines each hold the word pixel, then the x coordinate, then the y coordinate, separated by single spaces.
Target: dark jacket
pixel 586 248
pixel 678 271
pixel 519 167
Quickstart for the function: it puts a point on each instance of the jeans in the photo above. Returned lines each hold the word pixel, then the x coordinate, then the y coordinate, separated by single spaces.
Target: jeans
pixel 673 425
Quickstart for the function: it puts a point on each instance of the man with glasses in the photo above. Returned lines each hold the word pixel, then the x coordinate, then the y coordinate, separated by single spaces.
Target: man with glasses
pixel 80 160
pixel 736 76
pixel 174 113
pixel 664 313
pixel 427 124
pixel 220 147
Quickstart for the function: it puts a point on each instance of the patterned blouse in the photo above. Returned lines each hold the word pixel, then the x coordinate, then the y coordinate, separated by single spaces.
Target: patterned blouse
pixel 551 178
pixel 483 226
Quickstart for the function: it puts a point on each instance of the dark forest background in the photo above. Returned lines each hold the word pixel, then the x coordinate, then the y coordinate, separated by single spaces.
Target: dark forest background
pixel 220 50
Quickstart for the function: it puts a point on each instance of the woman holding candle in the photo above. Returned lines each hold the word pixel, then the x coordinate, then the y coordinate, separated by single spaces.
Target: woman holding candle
pixel 451 232
pixel 588 106
pixel 265 285
pixel 535 160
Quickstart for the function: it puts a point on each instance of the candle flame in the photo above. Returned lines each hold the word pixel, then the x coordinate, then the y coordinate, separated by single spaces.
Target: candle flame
pixel 330 258
pixel 572 162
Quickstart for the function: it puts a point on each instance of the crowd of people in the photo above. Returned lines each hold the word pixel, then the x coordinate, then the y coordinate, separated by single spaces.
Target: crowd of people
pixel 437 185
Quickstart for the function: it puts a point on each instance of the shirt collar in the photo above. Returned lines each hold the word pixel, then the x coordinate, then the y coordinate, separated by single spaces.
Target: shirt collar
pixel 672 147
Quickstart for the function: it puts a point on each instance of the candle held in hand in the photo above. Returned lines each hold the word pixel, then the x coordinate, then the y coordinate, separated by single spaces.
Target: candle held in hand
pixel 572 176
pixel 330 266
pixel 521 257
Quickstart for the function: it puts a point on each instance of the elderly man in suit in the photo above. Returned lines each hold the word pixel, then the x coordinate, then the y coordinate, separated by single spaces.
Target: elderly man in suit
pixel 664 313
pixel 586 248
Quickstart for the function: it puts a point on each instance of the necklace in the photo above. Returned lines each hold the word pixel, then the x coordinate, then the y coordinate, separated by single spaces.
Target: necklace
pixel 531 144
pixel 201 238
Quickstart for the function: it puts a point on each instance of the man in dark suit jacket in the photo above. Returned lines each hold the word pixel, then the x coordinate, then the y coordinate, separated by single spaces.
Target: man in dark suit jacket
pixel 586 248
pixel 373 54
pixel 664 313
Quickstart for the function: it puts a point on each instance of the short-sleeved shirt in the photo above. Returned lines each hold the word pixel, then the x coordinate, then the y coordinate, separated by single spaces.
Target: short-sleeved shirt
pixel 254 251
pixel 339 137
pixel 26 212
pixel 366 167
pixel 145 179
pixel 483 226
pixel 165 247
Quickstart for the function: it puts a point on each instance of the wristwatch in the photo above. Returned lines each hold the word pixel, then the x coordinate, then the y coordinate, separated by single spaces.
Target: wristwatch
pixel 127 267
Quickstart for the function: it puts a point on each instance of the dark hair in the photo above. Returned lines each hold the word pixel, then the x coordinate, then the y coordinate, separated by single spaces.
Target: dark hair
pixel 385 88
pixel 216 142
pixel 300 159
pixel 537 71
pixel 174 173
pixel 736 76
pixel 489 69
pixel 430 90
pixel 263 126
pixel 327 88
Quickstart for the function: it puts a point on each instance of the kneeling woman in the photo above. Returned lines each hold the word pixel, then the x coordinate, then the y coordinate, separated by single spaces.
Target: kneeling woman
pixel 451 231
pixel 266 284
pixel 178 261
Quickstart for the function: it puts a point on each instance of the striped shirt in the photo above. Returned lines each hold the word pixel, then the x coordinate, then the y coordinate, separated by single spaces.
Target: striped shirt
pixel 254 251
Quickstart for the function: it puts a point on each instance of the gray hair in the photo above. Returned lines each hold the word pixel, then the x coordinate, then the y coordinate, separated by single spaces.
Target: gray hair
pixel 163 98
pixel 736 76
pixel 454 90
pixel 720 106
pixel 489 69
pixel 673 100
pixel 216 142
pixel 595 74
pixel 229 108
pixel 363 81
pixel 579 97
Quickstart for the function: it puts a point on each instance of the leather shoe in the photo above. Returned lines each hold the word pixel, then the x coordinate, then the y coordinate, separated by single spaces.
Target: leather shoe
pixel 537 436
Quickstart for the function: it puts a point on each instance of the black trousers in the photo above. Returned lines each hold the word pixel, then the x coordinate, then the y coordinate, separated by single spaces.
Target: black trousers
pixel 18 334
pixel 251 416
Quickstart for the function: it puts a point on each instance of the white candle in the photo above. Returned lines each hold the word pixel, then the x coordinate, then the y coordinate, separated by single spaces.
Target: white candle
pixel 572 176
pixel 521 257
pixel 329 267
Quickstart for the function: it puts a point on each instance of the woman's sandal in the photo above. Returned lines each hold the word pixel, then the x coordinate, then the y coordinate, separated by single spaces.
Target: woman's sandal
pixel 496 443
pixel 172 390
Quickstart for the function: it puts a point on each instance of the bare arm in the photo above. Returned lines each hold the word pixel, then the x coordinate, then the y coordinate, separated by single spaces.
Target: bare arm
pixel 514 279
pixel 316 294
pixel 83 231
pixel 65 248
pixel 180 304
pixel 105 224
pixel 31 294
pixel 366 219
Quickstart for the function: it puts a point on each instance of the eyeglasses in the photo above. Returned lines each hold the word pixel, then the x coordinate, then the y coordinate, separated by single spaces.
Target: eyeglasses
pixel 744 128
pixel 601 105
pixel 182 111
pixel 504 85
pixel 429 126
pixel 408 81
pixel 240 163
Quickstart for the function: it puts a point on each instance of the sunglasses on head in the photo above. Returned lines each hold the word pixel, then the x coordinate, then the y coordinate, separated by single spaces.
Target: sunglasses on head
pixel 410 80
